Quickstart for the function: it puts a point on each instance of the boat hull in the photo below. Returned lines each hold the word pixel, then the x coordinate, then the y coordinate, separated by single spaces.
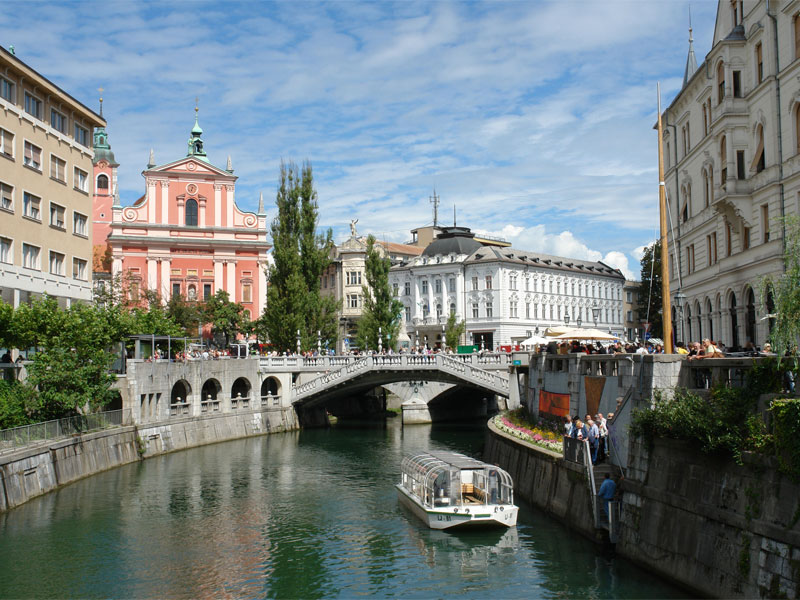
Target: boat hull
pixel 445 517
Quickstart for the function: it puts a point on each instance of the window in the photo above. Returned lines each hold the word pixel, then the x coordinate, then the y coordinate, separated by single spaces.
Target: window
pixel 33 106
pixel 407 288
pixel 176 289
pixel 723 161
pixel 628 297
pixel 759 63
pixel 438 311
pixel 395 289
pixel 728 240
pixel 30 206
pixel 424 286
pixel 426 310
pixel 474 310
pixel 690 259
pixel 740 174
pixel 79 269
pixel 33 156
pixel 720 82
pixel 7 90
pixel 513 308
pixel 745 238
pixel 58 169
pixel 6 197
pixel 56 263
pixel 474 283
pixel 57 216
pixel 352 300
pixel 191 212
pixel 489 309
pixel 736 12
pixel 451 285
pixel 437 286
pixel 408 314
pixel 79 224
pixel 353 277
pixel 527 284
pixel 713 249
pixel 81 135
pixel 796 24
pixel 30 256
pixel 765 222
pixel 102 182
pixel 6 143
pixel 759 162
pixel 452 308
pixel 206 291
pixel 705 119
pixel 630 315
pixel 737 84
pixel 488 282
pixel 512 282
pixel 58 121
pixel 80 180
pixel 527 310
pixel 247 292
pixel 5 251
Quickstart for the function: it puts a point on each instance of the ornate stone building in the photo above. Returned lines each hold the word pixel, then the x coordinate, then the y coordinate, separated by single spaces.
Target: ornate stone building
pixel 732 157
pixel 186 234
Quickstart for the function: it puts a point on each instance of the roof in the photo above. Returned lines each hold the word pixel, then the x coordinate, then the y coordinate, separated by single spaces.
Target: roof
pixel 493 254
pixel 459 461
pixel 453 240
pixel 393 247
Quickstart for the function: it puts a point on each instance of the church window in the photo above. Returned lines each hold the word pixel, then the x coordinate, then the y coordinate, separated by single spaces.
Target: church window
pixel 102 182
pixel 191 212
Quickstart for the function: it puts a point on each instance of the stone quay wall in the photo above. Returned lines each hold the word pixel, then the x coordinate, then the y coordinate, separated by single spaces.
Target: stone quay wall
pixel 38 469
pixel 709 525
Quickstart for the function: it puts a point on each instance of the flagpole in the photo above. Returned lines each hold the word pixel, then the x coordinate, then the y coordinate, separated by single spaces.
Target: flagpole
pixel 666 304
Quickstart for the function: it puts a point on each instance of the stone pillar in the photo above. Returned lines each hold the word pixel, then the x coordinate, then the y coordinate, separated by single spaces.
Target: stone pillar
pixel 229 205
pixel 152 274
pixel 165 202
pixel 217 275
pixel 151 200
pixel 201 202
pixel 230 265
pixel 181 210
pixel 219 219
pixel 261 301
pixel 166 287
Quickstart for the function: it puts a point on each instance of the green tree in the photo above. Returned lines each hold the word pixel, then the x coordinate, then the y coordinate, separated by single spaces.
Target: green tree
pixel 299 256
pixel 187 314
pixel 381 309
pixel 453 331
pixel 225 316
pixel 649 296
pixel 785 293
pixel 7 336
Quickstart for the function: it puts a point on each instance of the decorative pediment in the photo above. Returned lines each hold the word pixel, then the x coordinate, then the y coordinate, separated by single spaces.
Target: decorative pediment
pixel 193 166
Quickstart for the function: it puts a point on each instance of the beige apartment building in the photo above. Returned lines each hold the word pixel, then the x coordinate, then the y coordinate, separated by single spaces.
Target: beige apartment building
pixel 732 153
pixel 45 188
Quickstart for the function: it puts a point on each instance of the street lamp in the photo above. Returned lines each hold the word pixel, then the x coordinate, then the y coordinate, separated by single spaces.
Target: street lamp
pixel 443 344
pixel 380 340
pixel 595 313
pixel 298 342
pixel 579 322
pixel 319 342
pixel 680 300
pixel 566 319
pixel 536 331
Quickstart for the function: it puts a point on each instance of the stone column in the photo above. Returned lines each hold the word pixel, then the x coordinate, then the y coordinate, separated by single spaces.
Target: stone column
pixel 261 302
pixel 230 265
pixel 151 201
pixel 165 202
pixel 166 287
pixel 201 202
pixel 219 219
pixel 152 274
pixel 181 210
pixel 217 275
pixel 229 205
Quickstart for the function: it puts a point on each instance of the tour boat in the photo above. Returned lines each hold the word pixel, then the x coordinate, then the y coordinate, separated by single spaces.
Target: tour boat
pixel 447 489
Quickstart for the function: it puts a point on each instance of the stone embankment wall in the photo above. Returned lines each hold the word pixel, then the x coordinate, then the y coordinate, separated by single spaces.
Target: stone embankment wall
pixel 36 470
pixel 709 525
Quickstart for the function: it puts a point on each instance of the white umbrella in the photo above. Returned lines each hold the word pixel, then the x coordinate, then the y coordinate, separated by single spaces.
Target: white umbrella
pixel 534 340
pixel 586 334
pixel 552 332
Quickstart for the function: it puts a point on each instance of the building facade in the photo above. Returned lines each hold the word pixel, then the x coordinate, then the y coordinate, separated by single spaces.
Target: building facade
pixel 503 294
pixel 186 235
pixel 634 328
pixel 732 157
pixel 45 188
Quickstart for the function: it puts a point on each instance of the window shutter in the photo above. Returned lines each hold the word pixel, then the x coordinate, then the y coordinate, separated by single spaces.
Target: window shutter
pixel 759 151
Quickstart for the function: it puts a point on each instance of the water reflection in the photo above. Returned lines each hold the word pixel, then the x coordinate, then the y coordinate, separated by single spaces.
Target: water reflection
pixel 311 515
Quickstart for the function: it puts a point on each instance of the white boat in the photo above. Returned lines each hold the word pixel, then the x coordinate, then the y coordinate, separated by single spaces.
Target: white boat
pixel 447 489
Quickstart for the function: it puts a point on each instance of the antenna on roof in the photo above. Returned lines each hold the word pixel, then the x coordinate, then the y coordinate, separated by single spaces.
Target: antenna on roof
pixel 101 100
pixel 454 214
pixel 435 201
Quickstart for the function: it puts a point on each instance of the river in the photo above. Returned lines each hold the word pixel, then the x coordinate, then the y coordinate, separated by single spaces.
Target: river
pixel 306 514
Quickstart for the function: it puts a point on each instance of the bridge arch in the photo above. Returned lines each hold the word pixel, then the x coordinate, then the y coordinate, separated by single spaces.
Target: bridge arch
pixel 180 392
pixel 211 389
pixel 240 393
pixel 270 391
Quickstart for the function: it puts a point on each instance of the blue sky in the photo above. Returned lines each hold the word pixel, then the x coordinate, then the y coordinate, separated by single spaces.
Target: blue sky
pixel 533 118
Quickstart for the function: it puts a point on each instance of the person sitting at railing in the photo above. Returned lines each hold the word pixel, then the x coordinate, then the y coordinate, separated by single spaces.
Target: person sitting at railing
pixel 709 351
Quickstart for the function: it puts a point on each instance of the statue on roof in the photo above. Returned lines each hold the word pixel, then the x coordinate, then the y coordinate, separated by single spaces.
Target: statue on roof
pixel 353 227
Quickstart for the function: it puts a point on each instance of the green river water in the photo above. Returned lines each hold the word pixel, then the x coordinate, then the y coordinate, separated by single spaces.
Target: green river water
pixel 310 514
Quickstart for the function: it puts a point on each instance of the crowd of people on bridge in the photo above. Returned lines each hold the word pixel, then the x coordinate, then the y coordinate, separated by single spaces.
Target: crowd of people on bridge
pixel 592 429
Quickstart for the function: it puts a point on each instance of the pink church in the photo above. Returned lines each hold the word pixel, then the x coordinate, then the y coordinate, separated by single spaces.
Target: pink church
pixel 186 235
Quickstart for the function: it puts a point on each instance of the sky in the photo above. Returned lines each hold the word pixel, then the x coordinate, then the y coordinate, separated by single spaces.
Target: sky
pixel 534 120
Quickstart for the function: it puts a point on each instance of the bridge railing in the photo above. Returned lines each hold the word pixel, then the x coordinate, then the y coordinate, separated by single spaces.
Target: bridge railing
pixel 60 428
pixel 317 363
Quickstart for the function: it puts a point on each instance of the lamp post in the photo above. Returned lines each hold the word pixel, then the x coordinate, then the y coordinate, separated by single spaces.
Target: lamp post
pixel 380 340
pixel 595 313
pixel 298 342
pixel 579 322
pixel 680 300
pixel 443 338
pixel 566 319
pixel 319 342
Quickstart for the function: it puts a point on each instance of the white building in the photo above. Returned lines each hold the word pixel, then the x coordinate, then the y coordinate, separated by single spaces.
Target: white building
pixel 732 153
pixel 504 294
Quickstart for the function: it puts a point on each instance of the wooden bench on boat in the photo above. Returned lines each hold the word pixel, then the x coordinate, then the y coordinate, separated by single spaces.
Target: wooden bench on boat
pixel 471 494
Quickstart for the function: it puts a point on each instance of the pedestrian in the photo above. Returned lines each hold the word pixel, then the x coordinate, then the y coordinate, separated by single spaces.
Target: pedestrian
pixel 607 491
pixel 603 438
pixel 568 427
pixel 594 439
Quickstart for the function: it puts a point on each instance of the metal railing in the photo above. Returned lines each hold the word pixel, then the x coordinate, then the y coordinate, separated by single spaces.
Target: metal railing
pixel 61 428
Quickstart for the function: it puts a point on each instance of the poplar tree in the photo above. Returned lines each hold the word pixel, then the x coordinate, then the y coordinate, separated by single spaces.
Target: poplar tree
pixel 381 309
pixel 300 256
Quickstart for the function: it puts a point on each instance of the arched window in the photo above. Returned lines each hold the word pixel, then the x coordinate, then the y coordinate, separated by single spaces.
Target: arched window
pixel 710 184
pixel 759 161
pixel 723 160
pixel 191 212
pixel 796 23
pixel 797 127
pixel 102 182
pixel 720 82
pixel 706 191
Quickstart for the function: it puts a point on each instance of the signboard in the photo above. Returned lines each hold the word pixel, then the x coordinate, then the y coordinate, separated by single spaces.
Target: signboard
pixel 517 363
pixel 553 403
pixel 467 349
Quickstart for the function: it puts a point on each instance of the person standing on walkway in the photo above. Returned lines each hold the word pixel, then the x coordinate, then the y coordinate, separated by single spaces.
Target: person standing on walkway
pixel 607 491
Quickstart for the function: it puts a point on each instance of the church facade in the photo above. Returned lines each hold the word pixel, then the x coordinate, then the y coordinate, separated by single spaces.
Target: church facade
pixel 185 235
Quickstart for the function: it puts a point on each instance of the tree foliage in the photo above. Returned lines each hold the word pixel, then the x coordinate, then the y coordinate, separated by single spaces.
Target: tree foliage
pixel 294 301
pixel 650 296
pixel 785 293
pixel 453 331
pixel 226 317
pixel 381 309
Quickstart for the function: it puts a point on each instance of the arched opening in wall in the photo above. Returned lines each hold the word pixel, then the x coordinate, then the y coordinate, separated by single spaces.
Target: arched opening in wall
pixel 723 161
pixel 102 182
pixel 699 317
pixel 797 128
pixel 734 322
pixel 270 392
pixel 750 318
pixel 191 292
pixel 209 397
pixel 179 398
pixel 759 158
pixel 709 310
pixel 720 82
pixel 770 310
pixel 240 393
pixel 191 212
pixel 689 322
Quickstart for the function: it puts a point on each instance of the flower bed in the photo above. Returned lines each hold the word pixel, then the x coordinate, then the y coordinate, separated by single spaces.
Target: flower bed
pixel 534 435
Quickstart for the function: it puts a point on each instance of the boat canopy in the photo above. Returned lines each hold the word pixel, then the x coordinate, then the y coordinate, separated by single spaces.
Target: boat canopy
pixel 441 478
